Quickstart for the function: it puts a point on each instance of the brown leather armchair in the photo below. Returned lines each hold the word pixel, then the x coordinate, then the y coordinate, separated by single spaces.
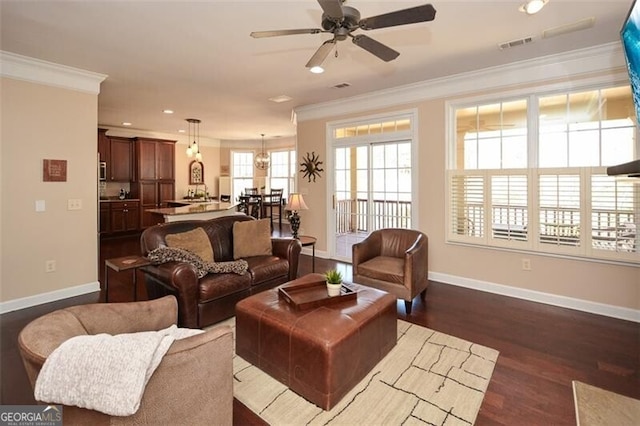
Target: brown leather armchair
pixel 170 396
pixel 394 260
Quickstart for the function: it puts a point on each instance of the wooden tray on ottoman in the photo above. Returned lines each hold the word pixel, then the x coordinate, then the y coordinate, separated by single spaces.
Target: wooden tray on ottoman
pixel 313 294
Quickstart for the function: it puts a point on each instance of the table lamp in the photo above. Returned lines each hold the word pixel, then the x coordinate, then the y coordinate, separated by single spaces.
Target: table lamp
pixel 295 203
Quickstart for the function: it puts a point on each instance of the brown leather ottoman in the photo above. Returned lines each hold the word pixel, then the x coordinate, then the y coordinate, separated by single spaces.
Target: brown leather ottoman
pixel 320 353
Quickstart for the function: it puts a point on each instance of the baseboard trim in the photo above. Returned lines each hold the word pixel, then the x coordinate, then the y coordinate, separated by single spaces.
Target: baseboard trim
pixel 52 296
pixel 540 297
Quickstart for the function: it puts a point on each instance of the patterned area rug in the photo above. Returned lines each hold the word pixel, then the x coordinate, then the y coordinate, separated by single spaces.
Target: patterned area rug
pixel 429 378
pixel 598 407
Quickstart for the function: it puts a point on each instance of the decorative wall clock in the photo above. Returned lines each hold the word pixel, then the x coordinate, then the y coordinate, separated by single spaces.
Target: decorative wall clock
pixel 311 166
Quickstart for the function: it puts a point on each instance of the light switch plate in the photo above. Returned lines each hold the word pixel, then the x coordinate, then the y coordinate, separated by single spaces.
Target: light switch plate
pixel 74 204
pixel 40 205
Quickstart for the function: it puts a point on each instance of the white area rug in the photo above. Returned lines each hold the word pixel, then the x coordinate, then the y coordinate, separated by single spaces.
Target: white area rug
pixel 429 378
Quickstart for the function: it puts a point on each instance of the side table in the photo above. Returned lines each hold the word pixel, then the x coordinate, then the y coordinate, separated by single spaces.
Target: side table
pixel 307 240
pixel 120 264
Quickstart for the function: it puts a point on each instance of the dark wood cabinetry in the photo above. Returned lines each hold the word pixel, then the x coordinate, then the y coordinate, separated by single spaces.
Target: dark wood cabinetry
pixel 105 218
pixel 155 159
pixel 155 176
pixel 117 153
pixel 119 216
pixel 154 195
pixel 125 216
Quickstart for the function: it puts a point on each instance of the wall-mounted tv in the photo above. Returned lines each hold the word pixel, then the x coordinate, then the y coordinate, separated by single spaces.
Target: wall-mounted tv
pixel 630 35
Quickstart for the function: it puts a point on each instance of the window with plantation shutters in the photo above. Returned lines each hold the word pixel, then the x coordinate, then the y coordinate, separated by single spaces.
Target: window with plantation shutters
pixel 559 210
pixel 530 174
pixel 467 206
pixel 509 209
pixel 614 214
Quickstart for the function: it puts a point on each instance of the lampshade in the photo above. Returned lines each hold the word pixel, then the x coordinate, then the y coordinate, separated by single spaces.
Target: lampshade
pixel 296 202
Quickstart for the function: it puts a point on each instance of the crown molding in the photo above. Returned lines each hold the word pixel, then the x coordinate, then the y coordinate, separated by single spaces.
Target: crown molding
pixel 577 63
pixel 48 73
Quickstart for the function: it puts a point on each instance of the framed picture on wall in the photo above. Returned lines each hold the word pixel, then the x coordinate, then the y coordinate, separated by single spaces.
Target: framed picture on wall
pixel 224 170
pixel 196 173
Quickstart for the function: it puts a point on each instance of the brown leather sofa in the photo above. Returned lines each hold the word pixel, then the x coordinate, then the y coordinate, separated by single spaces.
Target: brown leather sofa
pixel 394 260
pixel 170 396
pixel 212 298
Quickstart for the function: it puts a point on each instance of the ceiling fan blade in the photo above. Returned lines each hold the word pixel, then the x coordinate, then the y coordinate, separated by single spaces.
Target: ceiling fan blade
pixel 332 8
pixel 400 17
pixel 375 47
pixel 321 54
pixel 276 33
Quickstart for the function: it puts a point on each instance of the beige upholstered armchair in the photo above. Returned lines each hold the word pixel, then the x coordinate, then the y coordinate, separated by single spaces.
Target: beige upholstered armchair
pixel 394 260
pixel 193 383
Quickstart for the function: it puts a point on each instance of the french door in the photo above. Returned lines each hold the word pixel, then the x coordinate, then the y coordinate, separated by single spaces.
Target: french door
pixel 372 189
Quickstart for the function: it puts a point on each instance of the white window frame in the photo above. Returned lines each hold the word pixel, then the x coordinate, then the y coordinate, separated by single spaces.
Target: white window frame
pixel 585 248
pixel 291 175
pixel 235 178
pixel 366 133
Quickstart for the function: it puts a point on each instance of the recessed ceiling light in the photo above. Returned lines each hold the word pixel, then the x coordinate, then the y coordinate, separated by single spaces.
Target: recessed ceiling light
pixel 316 70
pixel 126 123
pixel 182 131
pixel 167 111
pixel 532 7
pixel 280 99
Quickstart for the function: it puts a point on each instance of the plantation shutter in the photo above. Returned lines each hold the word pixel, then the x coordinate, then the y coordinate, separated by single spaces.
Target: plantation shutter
pixel 509 211
pixel 614 214
pixel 559 210
pixel 467 210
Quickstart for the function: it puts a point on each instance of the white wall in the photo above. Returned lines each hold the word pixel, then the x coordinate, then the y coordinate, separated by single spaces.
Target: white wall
pixel 44 122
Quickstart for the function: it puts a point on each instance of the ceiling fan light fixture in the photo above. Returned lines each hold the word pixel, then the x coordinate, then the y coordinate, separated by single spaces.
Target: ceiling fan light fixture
pixel 531 7
pixel 317 69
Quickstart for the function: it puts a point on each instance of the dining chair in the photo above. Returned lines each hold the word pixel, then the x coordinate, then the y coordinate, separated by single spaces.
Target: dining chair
pixel 272 201
pixel 253 202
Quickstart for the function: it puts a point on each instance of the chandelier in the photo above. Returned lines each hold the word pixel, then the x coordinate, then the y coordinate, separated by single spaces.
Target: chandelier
pixel 194 132
pixel 262 159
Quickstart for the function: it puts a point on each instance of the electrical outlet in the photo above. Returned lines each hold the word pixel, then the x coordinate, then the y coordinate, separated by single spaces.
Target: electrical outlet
pixel 50 266
pixel 526 264
pixel 74 204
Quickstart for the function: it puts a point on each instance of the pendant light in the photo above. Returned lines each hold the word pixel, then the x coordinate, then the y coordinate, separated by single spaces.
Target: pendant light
pixel 194 132
pixel 262 159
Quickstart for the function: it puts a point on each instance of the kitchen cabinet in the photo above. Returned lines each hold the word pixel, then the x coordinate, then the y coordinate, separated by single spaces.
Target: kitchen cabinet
pixel 119 216
pixel 154 195
pixel 125 216
pixel 103 145
pixel 105 218
pixel 155 159
pixel 117 153
pixel 119 165
pixel 154 176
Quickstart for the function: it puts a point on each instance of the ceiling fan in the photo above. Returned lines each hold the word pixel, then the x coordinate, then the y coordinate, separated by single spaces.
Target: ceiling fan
pixel 342 21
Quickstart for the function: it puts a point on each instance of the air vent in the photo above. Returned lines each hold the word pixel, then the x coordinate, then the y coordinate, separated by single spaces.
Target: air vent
pixel 342 85
pixel 514 43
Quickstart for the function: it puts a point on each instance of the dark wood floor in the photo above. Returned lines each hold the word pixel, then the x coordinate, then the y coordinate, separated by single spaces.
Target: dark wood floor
pixel 542 348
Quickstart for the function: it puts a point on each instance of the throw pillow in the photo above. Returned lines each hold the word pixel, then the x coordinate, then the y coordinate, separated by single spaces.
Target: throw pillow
pixel 252 238
pixel 196 241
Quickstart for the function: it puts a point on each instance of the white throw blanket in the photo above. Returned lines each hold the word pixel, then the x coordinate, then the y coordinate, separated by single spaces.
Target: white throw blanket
pixel 104 372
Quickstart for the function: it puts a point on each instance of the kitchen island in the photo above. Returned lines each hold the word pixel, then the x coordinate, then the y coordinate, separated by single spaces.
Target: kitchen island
pixel 199 211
